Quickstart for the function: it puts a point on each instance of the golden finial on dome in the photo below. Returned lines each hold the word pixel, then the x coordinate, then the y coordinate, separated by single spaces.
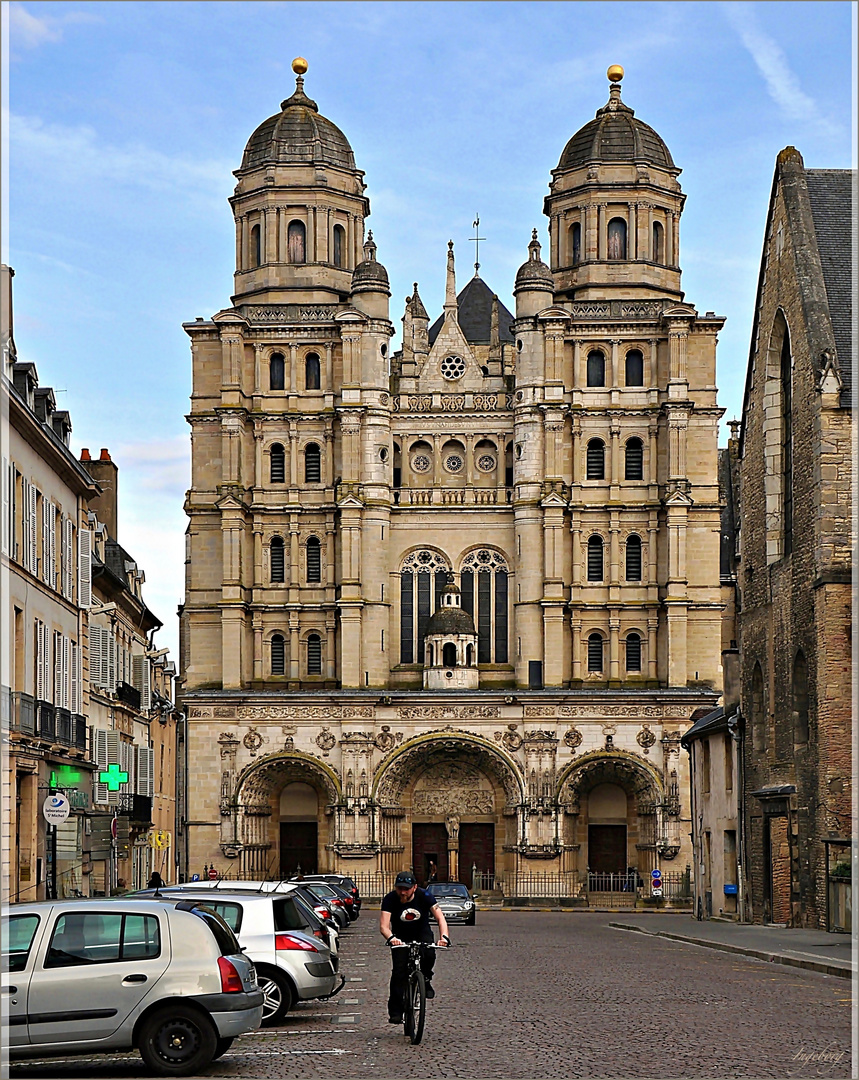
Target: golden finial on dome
pixel 299 65
pixel 615 73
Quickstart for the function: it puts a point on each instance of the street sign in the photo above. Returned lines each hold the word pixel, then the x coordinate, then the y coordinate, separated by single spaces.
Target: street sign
pixel 56 808
pixel 656 891
pixel 656 874
pixel 213 874
pixel 195 877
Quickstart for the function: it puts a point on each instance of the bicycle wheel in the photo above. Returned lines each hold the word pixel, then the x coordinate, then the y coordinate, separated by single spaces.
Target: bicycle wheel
pixel 417 1005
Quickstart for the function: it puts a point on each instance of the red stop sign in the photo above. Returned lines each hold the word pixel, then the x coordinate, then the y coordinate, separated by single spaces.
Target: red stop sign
pixel 213 874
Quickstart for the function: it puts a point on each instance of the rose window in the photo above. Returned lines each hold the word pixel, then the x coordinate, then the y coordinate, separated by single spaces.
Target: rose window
pixel 453 463
pixel 486 463
pixel 453 367
pixel 420 463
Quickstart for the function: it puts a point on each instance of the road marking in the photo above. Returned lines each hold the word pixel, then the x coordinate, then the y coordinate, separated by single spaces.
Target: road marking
pixel 283 1053
pixel 343 1019
pixel 351 1001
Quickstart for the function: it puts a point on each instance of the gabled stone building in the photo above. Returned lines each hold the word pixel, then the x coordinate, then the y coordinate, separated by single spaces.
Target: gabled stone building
pixel 796 537
pixel 558 464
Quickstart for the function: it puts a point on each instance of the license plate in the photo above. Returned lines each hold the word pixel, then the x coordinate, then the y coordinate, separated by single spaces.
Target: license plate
pixel 252 974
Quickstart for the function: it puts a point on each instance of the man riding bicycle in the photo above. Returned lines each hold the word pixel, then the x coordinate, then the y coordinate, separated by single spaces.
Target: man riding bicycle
pixel 405 917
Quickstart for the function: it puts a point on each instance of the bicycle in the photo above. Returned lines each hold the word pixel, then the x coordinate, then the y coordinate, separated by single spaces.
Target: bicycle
pixel 415 1003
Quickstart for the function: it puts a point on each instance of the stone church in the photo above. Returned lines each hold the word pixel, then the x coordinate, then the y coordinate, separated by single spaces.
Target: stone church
pixel 459 601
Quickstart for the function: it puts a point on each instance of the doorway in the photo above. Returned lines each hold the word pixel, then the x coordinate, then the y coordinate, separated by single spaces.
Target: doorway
pixel 779 869
pixel 476 848
pixel 298 847
pixel 429 845
pixel 607 849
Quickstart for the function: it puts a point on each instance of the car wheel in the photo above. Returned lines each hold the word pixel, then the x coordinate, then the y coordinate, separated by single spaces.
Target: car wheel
pixel 471 919
pixel 179 1042
pixel 222 1047
pixel 278 996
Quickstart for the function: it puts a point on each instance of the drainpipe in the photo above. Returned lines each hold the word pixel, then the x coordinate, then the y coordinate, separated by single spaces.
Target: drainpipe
pixel 696 854
pixel 738 733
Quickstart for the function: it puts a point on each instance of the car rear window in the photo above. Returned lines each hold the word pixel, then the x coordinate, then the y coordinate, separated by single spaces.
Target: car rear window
pixel 224 936
pixel 230 913
pixel 18 934
pixel 306 908
pixel 288 916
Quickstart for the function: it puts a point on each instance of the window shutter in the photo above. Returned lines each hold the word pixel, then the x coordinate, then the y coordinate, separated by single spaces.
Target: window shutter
pixel 95 655
pixel 32 529
pixel 7 545
pixel 46 543
pixel 40 672
pixel 142 680
pixel 111 662
pixel 65 673
pixel 52 546
pixel 74 675
pixel 67 567
pixel 58 669
pixel 46 660
pixel 99 789
pixel 145 771
pixel 127 763
pixel 84 568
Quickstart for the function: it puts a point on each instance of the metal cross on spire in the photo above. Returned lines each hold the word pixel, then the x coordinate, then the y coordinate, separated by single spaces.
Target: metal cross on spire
pixel 476 238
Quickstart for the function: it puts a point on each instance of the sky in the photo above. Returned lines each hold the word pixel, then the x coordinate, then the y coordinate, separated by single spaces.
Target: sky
pixel 124 121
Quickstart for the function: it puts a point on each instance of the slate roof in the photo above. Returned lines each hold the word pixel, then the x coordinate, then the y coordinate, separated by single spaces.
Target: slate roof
pixel 298 134
pixel 475 315
pixel 830 192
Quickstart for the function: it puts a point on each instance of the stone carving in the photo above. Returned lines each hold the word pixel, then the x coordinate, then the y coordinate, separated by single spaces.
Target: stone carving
pixel 225 793
pixel 452 823
pixel 452 787
pixel 386 740
pixel 671 742
pixel 572 737
pixel 447 712
pixel 225 711
pixel 197 711
pixel 356 742
pixel 645 738
pixel 288 743
pixel 541 737
pixel 355 712
pixel 542 711
pixel 293 712
pixel 253 741
pixel 655 712
pixel 326 741
pixel 510 739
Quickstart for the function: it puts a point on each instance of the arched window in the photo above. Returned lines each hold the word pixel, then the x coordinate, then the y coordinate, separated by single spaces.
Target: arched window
pixel 634 368
pixel 469 655
pixel 484 585
pixel 596 460
pixel 339 245
pixel 596 368
pixel 800 699
pixel 634 460
pixel 633 558
pixel 278 655
pixel 314 654
pixel 575 242
pixel 448 655
pixel 312 464
pixel 617 238
pixel 595 558
pixel 276 553
pixel 595 650
pixel 277 372
pixel 633 652
pixel 311 371
pixel 758 711
pixel 787 443
pixel 256 246
pixel 278 464
pixel 314 560
pixel 658 247
pixel 423 576
pixel 295 242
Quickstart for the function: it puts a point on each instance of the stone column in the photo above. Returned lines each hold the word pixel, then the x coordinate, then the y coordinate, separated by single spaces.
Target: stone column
pixel 293 370
pixel 576 624
pixel 259 479
pixel 258 558
pixel 270 253
pixel 652 627
pixel 614 645
pixel 328 462
pixel 437 476
pixel 501 471
pixel 615 454
pixel 294 577
pixel 240 229
pixel 329 368
pixel 294 648
pixel 330 650
pixel 632 232
pixel 614 550
pixel 675 239
pixel 469 460
pixel 614 376
pixel 602 251
pixel 293 456
pixel 258 647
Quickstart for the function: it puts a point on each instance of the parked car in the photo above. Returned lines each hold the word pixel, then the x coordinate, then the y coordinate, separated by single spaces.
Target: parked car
pixel 343 882
pixel 455 901
pixel 333 896
pixel 165 977
pixel 291 965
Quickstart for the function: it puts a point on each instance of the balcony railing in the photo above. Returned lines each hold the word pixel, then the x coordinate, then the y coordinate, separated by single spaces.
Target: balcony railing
pixel 138 808
pixel 128 694
pixel 460 496
pixel 23 717
pixel 46 720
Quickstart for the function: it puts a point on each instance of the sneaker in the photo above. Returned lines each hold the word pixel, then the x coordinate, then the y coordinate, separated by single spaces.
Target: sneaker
pixel 430 991
pixel 397 1018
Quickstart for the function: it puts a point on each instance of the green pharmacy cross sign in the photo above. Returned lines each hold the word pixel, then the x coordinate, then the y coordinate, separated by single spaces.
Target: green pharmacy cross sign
pixel 113 777
pixel 64 777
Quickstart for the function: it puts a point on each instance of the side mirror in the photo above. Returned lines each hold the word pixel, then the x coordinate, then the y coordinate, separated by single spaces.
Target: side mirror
pixel 475 896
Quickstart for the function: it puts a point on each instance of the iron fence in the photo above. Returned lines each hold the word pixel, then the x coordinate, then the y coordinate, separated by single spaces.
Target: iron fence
pixel 540 886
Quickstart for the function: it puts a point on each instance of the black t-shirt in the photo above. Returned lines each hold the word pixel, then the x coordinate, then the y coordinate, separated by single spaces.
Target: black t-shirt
pixel 410 921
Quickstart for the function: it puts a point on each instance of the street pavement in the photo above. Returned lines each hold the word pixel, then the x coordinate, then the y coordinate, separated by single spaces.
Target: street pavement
pixel 533 994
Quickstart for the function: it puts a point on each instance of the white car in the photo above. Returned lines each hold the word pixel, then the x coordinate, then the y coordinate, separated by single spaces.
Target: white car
pixel 86 976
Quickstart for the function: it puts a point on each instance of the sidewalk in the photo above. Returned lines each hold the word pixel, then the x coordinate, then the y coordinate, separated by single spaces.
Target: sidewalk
pixel 814 950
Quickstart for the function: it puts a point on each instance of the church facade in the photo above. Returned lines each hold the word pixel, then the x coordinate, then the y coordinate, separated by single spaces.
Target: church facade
pixel 460 601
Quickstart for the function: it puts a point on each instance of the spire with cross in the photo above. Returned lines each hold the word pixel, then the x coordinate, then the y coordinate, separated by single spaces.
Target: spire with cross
pixel 477 238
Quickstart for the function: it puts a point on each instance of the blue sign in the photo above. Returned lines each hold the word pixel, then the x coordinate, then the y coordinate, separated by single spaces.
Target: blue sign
pixel 730 890
pixel 195 877
pixel 656 874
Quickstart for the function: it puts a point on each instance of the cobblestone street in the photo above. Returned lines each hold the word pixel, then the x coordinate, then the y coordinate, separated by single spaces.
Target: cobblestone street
pixel 547 994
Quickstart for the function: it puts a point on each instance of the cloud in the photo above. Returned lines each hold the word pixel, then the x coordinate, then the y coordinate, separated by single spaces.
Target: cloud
pixel 30 31
pixel 782 84
pixel 163 465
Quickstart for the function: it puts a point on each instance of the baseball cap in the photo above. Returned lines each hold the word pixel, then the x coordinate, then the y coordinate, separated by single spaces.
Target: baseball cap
pixel 404 880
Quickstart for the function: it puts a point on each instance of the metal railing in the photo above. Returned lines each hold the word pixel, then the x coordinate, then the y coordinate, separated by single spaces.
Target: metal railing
pixel 540 885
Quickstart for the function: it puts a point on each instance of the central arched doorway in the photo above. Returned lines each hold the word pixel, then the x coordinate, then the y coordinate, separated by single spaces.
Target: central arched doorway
pixel 608 829
pixel 299 829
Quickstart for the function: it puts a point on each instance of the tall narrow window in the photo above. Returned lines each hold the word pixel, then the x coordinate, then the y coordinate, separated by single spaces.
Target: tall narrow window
pixel 633 652
pixel 278 565
pixel 758 711
pixel 787 444
pixel 617 238
pixel 595 650
pixel 423 576
pixel 448 655
pixel 278 464
pixel 633 558
pixel 634 460
pixel 484 583
pixel 295 235
pixel 339 245
pixel 312 464
pixel 596 368
pixel 311 371
pixel 575 242
pixel 634 368
pixel 276 372
pixel 278 655
pixel 256 246
pixel 314 560
pixel 596 460
pixel 658 252
pixel 800 699
pixel 314 654
pixel 595 558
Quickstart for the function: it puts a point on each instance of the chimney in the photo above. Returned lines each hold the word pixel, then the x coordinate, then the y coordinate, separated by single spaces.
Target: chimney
pixel 104 472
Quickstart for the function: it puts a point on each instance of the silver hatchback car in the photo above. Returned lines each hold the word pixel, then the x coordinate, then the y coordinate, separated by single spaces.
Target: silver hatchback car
pixel 82 976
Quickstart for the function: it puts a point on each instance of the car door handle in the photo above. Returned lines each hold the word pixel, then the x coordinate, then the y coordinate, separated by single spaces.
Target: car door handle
pixel 133 979
pixel 10 989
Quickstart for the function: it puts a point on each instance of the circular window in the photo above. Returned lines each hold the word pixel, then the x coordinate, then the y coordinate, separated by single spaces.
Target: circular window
pixel 420 463
pixel 383 453
pixel 484 557
pixel 453 463
pixel 486 463
pixel 453 367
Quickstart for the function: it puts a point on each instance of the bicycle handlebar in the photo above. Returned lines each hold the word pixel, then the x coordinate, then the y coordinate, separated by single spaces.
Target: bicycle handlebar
pixel 423 945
